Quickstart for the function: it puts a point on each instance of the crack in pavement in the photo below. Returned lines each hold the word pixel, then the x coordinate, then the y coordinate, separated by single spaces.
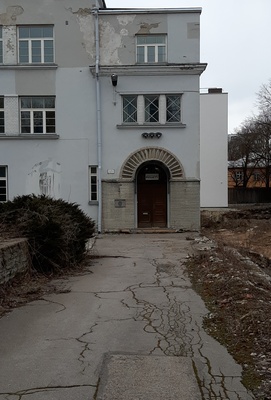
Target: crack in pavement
pixel 26 392
pixel 179 334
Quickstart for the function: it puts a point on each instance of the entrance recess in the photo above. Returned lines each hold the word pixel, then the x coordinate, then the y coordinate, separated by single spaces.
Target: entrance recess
pixel 152 196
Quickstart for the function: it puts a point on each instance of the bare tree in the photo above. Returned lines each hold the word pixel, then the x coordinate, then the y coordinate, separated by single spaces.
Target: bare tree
pixel 264 98
pixel 263 146
pixel 242 156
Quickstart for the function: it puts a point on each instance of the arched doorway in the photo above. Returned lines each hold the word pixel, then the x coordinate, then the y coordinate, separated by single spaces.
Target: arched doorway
pixel 152 181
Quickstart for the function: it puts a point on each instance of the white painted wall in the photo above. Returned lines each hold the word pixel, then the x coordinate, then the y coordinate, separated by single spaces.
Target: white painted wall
pixel 213 149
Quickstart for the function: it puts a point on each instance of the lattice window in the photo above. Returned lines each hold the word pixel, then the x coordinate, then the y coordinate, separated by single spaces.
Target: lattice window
pixel 151 108
pixel 2 115
pixel 3 183
pixel 129 109
pixel 173 108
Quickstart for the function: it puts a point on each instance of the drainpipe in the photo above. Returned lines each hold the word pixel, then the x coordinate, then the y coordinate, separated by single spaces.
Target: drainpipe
pixel 95 12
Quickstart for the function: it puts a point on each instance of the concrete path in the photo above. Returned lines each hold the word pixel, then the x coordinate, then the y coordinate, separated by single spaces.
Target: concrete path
pixel 130 328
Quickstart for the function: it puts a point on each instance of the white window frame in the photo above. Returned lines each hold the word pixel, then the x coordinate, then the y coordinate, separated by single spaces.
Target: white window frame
pixel 162 117
pixel 31 110
pixel 146 47
pixel 93 184
pixel 4 179
pixel 2 115
pixel 30 45
pixel 1 46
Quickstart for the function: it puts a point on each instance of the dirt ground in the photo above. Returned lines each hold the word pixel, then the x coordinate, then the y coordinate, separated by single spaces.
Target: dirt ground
pixel 232 273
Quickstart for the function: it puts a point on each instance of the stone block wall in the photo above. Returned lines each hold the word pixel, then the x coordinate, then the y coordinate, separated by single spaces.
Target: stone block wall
pixel 14 259
pixel 185 205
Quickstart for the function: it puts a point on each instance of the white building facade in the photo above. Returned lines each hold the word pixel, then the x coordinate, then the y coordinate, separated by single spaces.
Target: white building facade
pixel 101 107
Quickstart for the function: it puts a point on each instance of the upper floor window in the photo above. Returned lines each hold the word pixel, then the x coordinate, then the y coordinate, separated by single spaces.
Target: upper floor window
pixel 152 108
pixel 2 115
pixel 1 45
pixel 37 114
pixel 151 48
pixel 93 182
pixel 3 183
pixel 36 44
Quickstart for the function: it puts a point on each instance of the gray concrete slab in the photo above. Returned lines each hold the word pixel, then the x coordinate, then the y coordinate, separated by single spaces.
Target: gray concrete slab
pixel 133 377
pixel 134 298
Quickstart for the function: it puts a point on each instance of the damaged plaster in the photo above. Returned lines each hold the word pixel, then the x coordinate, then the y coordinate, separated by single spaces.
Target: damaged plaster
pixel 86 24
pixel 10 16
pixel 44 178
pixel 146 28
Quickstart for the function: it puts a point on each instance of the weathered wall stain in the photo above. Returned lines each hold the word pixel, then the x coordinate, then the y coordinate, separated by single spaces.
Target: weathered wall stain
pixel 10 16
pixel 146 28
pixel 44 178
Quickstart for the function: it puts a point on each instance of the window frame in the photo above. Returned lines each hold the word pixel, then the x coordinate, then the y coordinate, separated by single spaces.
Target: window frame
pixel 4 179
pixel 93 184
pixel 2 115
pixel 148 46
pixel 153 109
pixel 44 117
pixel 32 41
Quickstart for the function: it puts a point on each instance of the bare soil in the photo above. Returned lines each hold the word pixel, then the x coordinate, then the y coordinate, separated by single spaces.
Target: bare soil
pixel 231 271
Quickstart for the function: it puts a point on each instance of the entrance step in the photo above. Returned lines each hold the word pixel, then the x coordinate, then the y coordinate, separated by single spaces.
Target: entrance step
pixel 137 377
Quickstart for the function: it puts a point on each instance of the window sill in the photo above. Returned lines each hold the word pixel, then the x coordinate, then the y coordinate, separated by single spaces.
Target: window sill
pixel 93 203
pixel 29 136
pixel 154 125
pixel 28 66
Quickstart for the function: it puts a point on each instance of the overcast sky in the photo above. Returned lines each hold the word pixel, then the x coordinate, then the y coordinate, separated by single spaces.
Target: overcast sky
pixel 236 44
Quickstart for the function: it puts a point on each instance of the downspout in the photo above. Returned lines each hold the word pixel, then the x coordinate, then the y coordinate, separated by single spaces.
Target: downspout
pixel 95 12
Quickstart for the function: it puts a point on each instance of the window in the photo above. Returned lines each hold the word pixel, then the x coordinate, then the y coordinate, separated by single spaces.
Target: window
pixel 1 45
pixel 239 175
pixel 37 114
pixel 3 183
pixel 93 183
pixel 149 109
pixel 151 48
pixel 2 115
pixel 130 109
pixel 173 108
pixel 36 44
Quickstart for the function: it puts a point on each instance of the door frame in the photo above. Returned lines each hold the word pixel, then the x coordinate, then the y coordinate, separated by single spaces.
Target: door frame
pixel 167 173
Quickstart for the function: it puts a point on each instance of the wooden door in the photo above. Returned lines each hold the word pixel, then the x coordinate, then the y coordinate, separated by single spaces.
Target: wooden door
pixel 152 197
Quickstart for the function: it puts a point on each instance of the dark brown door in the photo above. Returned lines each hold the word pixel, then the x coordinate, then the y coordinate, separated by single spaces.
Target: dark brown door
pixel 152 197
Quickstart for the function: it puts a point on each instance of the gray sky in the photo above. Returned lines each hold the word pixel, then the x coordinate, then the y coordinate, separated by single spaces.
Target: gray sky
pixel 235 42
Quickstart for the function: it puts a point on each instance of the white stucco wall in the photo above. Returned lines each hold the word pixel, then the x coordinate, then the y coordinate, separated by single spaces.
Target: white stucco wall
pixel 213 149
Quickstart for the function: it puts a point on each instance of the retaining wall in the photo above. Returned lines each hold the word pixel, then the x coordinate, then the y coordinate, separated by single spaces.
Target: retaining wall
pixel 14 258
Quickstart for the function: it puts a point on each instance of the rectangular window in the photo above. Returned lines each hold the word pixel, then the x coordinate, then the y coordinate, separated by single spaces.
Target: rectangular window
pixel 3 183
pixel 93 183
pixel 151 49
pixel 1 45
pixel 173 108
pixel 37 114
pixel 130 109
pixel 2 115
pixel 239 175
pixel 36 44
pixel 151 108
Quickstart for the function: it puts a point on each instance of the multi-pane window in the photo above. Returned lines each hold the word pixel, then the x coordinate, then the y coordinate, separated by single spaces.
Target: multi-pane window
pixel 173 108
pixel 37 114
pixel 93 183
pixel 151 48
pixel 151 108
pixel 1 45
pixel 36 44
pixel 2 115
pixel 163 109
pixel 130 109
pixel 3 183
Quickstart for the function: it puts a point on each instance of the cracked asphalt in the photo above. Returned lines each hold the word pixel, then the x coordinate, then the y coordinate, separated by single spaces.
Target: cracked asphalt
pixel 134 299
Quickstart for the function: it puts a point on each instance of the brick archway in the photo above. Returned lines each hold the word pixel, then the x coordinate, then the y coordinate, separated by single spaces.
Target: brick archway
pixel 131 164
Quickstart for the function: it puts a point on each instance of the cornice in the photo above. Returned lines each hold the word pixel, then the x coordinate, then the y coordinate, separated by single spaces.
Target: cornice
pixel 142 70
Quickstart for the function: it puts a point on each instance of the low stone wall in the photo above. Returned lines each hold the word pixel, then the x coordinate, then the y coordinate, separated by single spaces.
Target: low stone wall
pixel 14 258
